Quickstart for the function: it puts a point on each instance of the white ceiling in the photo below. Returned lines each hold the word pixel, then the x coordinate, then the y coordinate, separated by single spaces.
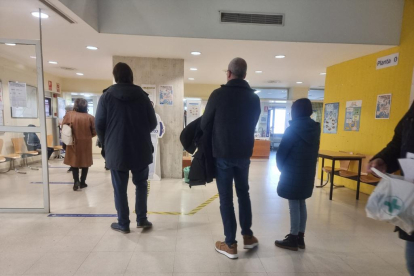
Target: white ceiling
pixel 65 43
pixel 271 93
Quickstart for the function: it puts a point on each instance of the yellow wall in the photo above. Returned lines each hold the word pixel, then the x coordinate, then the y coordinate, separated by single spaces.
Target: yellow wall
pixel 358 79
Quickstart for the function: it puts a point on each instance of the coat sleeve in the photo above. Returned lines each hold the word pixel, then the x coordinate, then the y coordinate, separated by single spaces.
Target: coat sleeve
pixel 392 151
pixel 100 119
pixel 209 113
pixel 151 116
pixel 92 123
pixel 285 146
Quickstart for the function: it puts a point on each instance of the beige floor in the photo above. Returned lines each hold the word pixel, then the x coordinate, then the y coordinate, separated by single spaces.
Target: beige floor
pixel 340 239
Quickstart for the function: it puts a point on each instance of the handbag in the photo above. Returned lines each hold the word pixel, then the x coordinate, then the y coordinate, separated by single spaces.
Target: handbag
pixel 67 135
pixel 392 201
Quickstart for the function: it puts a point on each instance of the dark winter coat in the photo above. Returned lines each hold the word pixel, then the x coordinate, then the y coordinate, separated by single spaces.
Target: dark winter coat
pixel 231 115
pixel 124 121
pixel 202 168
pixel 401 143
pixel 296 159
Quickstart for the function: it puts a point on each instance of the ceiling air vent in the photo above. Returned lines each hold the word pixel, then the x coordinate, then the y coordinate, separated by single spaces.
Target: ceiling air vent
pixel 252 18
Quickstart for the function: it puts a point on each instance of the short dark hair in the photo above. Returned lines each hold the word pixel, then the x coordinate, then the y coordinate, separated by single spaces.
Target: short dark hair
pixel 302 108
pixel 123 73
pixel 80 105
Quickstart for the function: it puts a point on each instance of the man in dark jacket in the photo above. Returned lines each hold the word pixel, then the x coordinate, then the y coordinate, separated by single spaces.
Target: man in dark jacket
pixel 387 161
pixel 231 115
pixel 124 121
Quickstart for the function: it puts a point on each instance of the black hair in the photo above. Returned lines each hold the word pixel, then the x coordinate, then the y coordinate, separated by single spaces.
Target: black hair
pixel 80 105
pixel 302 108
pixel 123 73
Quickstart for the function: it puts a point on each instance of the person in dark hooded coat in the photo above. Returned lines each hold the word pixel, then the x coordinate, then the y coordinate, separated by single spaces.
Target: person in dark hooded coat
pixel 296 160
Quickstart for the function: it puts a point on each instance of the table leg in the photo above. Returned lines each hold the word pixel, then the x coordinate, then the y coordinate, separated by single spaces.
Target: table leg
pixel 332 179
pixel 359 178
pixel 323 164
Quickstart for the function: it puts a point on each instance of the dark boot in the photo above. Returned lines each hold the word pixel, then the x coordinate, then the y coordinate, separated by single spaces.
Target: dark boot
pixel 144 224
pixel 83 178
pixel 290 242
pixel 301 240
pixel 76 182
pixel 76 185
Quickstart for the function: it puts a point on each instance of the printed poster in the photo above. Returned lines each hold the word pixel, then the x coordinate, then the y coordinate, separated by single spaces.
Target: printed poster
pixel 193 110
pixel 330 123
pixel 18 94
pixel 383 108
pixel 151 90
pixel 166 95
pixel 353 115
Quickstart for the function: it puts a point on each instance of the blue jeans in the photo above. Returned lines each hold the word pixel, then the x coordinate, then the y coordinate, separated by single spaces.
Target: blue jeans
pixel 409 256
pixel 298 216
pixel 120 184
pixel 227 171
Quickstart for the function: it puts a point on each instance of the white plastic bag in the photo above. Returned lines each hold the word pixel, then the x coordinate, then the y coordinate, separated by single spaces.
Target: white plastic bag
pixel 392 201
pixel 67 135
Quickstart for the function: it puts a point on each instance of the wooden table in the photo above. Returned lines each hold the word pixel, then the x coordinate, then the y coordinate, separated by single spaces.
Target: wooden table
pixel 337 156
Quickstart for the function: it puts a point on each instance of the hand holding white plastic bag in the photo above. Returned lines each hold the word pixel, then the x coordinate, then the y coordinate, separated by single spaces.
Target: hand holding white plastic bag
pixel 392 201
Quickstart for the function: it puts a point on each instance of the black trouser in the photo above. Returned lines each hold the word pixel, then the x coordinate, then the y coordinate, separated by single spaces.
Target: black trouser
pixel 75 173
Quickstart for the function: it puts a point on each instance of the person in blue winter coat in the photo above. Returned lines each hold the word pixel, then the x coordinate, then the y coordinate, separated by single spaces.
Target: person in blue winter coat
pixel 296 159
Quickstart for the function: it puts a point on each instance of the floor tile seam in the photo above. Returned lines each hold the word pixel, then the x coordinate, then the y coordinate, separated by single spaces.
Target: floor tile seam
pixel 41 256
pixel 126 268
pixel 89 253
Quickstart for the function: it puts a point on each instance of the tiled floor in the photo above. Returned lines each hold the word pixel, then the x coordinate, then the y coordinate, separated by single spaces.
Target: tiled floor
pixel 340 239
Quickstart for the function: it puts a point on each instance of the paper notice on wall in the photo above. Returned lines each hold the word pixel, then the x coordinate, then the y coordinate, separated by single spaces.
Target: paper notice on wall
pixel 193 110
pixel 353 115
pixel 151 90
pixel 166 95
pixel 17 94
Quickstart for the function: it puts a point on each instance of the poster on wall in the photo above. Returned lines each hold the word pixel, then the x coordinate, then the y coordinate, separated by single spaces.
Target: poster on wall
pixel 18 94
pixel 166 95
pixel 353 115
pixel 383 108
pixel 151 90
pixel 193 110
pixel 330 123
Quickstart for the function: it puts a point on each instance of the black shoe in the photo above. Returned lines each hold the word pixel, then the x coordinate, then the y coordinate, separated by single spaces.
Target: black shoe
pixel 301 240
pixel 76 185
pixel 107 168
pixel 83 185
pixel 290 242
pixel 69 170
pixel 115 226
pixel 144 224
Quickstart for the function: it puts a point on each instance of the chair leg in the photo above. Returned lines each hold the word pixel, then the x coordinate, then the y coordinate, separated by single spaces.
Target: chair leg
pixel 15 169
pixel 324 184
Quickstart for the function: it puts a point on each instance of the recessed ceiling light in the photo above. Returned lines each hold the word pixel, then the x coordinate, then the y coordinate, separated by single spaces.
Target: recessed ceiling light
pixel 299 82
pixel 10 44
pixel 280 56
pixel 79 74
pixel 193 69
pixel 42 15
pixel 53 62
pixel 32 57
pixel 92 48
pixel 258 72
pixel 322 74
pixel 195 53
pixel 257 91
pixel 190 78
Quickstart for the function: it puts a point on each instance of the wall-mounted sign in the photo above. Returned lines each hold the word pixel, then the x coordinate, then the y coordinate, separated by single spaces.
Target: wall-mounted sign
pixel 17 94
pixel 387 61
pixel 353 115
pixel 330 124
pixel 49 84
pixel 57 87
pixel 383 106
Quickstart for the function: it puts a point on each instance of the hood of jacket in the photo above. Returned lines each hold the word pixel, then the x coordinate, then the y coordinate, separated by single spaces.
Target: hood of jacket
pixel 238 83
pixel 306 128
pixel 126 92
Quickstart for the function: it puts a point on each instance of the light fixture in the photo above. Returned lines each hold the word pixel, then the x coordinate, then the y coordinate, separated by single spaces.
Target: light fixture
pixel 257 91
pixel 258 72
pixel 190 78
pixel 52 62
pixel 79 74
pixel 10 44
pixel 280 56
pixel 299 82
pixel 32 56
pixel 196 53
pixel 322 74
pixel 92 48
pixel 42 15
pixel 193 69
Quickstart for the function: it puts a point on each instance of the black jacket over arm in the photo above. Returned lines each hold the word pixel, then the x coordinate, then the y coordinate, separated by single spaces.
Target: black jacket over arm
pixel 401 143
pixel 231 114
pixel 124 121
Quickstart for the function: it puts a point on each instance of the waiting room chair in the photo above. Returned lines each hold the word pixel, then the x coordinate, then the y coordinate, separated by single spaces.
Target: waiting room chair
pixel 9 158
pixel 365 176
pixel 19 149
pixel 343 166
pixel 57 149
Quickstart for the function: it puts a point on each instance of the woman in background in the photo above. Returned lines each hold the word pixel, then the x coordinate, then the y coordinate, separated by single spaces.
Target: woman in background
pixel 79 155
pixel 296 160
